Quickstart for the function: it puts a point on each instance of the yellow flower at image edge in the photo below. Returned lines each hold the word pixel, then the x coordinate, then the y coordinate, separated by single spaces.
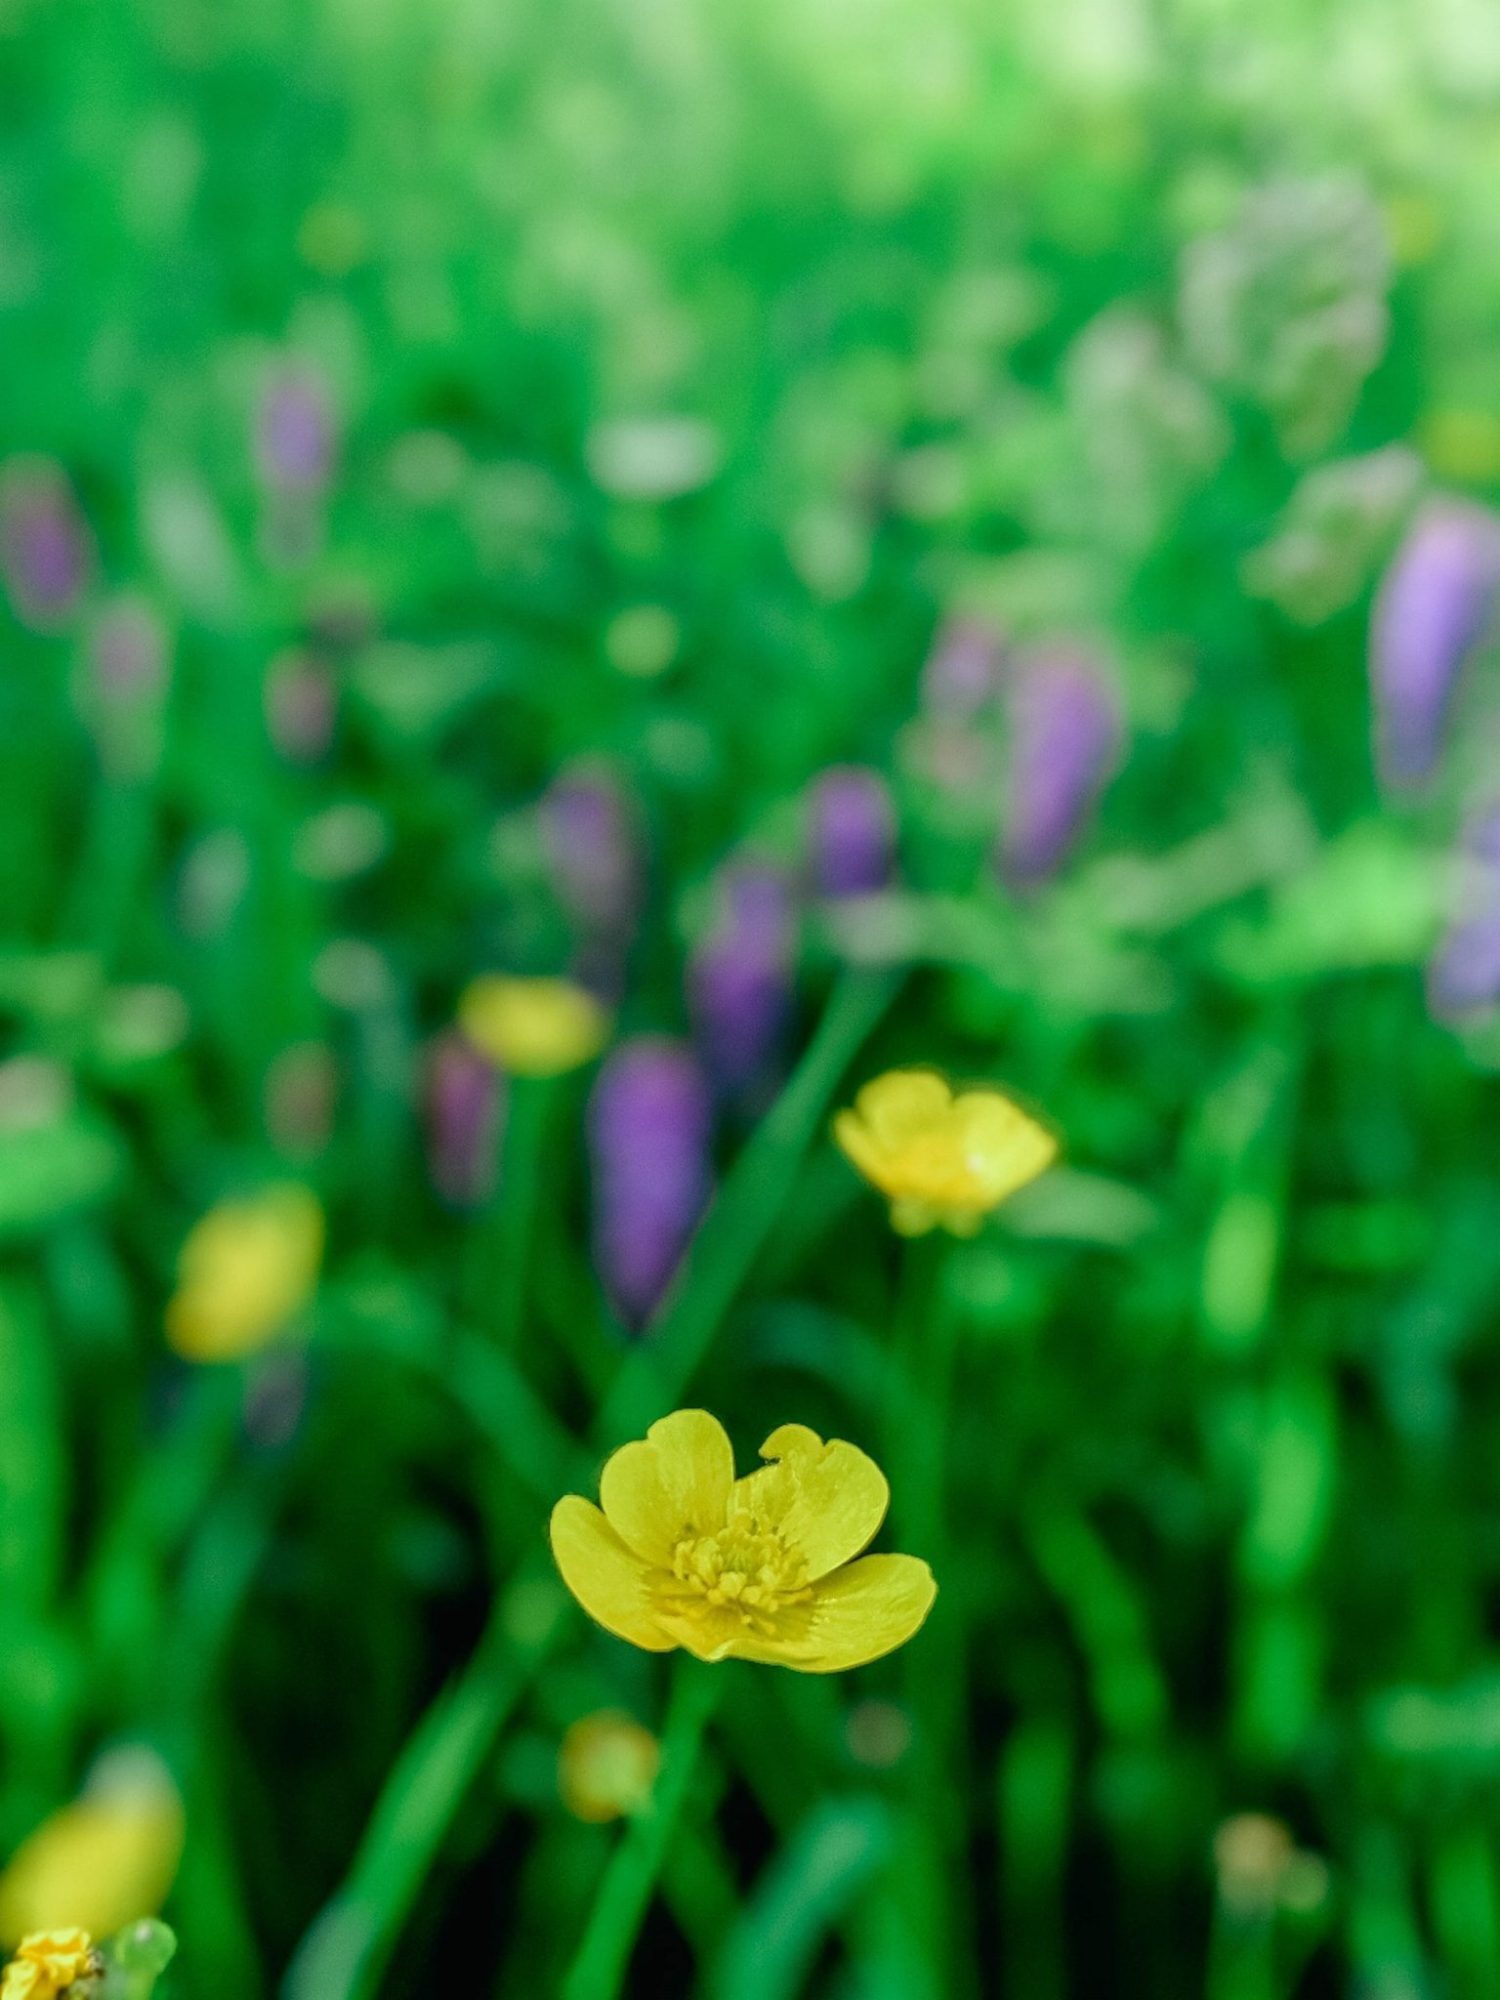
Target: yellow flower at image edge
pixel 101 1862
pixel 47 1964
pixel 683 1554
pixel 942 1158
pixel 532 1027
pixel 246 1269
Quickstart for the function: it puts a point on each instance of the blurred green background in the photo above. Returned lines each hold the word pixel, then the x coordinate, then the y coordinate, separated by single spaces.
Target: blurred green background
pixel 407 406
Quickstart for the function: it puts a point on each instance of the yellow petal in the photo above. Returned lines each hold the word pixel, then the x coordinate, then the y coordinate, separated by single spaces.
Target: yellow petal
pixel 913 1218
pixel 1003 1146
pixel 609 1582
pixel 532 1027
pixel 902 1104
pixel 102 1861
pixel 826 1500
pixel 857 1614
pixel 673 1483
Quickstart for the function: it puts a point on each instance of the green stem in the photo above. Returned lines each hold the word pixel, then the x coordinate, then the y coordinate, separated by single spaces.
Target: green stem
pixel 598 1971
pixel 507 1230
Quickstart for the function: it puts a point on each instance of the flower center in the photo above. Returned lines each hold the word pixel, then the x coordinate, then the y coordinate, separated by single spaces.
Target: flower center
pixel 744 1566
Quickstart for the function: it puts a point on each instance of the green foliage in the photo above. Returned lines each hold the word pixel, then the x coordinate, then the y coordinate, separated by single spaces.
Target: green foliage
pixel 689 369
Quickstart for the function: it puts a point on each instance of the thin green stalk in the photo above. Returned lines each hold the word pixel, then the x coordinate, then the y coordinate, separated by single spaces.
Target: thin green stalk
pixel 503 1248
pixel 603 1958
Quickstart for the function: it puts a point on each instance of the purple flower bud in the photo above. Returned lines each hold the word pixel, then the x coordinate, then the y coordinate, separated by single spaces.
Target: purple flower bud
pixel 649 1128
pixel 294 434
pixel 962 673
pixel 739 980
pixel 1064 739
pixel 45 554
pixel 465 1109
pixel 1430 612
pixel 128 653
pixel 590 837
pixel 301 706
pixel 851 832
pixel 1464 974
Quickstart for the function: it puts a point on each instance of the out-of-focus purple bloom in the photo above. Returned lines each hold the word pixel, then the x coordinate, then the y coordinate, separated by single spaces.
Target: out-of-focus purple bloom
pixel 594 855
pixel 1430 612
pixel 962 672
pixel 851 832
pixel 1064 739
pixel 465 1109
pixel 649 1129
pixel 740 979
pixel 1464 974
pixel 294 441
pixel 128 653
pixel 45 551
pixel 301 706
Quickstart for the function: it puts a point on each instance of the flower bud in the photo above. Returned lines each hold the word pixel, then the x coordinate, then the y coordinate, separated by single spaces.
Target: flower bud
pixel 852 832
pixel 739 979
pixel 962 672
pixel 649 1128
pixel 1064 739
pixel 465 1107
pixel 45 551
pixel 294 440
pixel 1430 612
pixel 590 840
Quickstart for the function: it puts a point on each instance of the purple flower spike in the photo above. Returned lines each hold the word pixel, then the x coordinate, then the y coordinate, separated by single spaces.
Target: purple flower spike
pixel 1064 740
pixel 1464 975
pixel 294 442
pixel 45 554
pixel 591 844
pixel 962 673
pixel 649 1128
pixel 1430 612
pixel 739 980
pixel 851 832
pixel 465 1108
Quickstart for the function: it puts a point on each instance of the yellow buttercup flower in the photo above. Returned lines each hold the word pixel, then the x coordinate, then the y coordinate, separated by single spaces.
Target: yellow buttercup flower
pixel 102 1862
pixel 607 1766
pixel 759 1568
pixel 944 1159
pixel 47 1963
pixel 532 1027
pixel 246 1268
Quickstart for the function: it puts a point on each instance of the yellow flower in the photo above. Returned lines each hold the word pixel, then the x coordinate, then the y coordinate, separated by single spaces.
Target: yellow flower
pixel 760 1568
pixel 607 1766
pixel 942 1159
pixel 532 1027
pixel 246 1268
pixel 47 1963
pixel 104 1861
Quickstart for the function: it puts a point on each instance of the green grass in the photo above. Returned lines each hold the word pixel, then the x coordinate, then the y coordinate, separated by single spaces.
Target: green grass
pixel 1200 1435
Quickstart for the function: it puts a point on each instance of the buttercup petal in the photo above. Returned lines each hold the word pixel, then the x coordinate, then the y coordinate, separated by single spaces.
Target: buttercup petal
pixel 826 1500
pixel 857 1142
pixel 1004 1147
pixel 903 1104
pixel 673 1483
pixel 712 1632
pixel 857 1614
pixel 913 1218
pixel 609 1581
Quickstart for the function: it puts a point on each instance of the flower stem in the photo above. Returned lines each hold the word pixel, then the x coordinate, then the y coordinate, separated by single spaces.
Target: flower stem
pixel 510 1224
pixel 598 1971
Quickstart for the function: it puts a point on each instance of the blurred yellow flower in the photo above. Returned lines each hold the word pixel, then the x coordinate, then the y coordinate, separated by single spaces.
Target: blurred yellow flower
pixel 246 1268
pixel 759 1568
pixel 47 1964
pixel 1463 445
pixel 943 1159
pixel 607 1766
pixel 102 1862
pixel 532 1027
